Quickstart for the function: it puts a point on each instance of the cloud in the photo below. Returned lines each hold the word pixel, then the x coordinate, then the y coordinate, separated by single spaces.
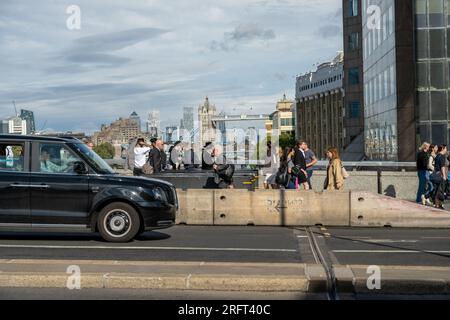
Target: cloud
pixel 241 35
pixel 329 31
pixel 116 40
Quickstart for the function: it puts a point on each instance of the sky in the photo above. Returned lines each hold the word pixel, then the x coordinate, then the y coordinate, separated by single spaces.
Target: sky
pixel 143 55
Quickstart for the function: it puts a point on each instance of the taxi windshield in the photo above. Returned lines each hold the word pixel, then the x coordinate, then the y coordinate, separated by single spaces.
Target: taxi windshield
pixel 93 159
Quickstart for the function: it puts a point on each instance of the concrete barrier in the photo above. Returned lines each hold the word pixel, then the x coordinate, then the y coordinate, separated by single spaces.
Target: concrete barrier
pixel 196 207
pixel 304 208
pixel 372 210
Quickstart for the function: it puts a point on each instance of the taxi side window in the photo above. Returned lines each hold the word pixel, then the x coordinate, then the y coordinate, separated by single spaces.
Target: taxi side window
pixel 55 158
pixel 12 157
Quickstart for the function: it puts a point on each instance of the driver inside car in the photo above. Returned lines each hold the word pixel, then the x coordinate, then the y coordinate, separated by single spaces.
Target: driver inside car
pixel 48 166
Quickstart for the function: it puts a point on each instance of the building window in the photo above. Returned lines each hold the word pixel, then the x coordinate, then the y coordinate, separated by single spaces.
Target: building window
pixel 421 13
pixel 354 108
pixel 353 42
pixel 353 8
pixel 436 13
pixel 353 76
pixel 391 20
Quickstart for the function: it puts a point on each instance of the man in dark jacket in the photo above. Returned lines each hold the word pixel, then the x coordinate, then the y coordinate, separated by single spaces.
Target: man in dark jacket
pixel 155 157
pixel 422 167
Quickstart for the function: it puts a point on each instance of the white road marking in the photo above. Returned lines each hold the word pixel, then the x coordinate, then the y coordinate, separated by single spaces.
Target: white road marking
pixel 391 241
pixel 435 237
pixel 142 248
pixel 388 251
pixel 302 236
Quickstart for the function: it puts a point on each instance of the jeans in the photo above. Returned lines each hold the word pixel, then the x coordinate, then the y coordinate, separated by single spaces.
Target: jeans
pixel 430 189
pixel 422 175
pixel 310 174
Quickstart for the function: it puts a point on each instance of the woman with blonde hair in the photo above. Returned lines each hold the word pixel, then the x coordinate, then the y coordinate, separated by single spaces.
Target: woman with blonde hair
pixel 335 178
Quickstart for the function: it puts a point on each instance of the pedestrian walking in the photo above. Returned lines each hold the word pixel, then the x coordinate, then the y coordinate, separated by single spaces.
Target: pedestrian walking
pixel 422 169
pixel 141 151
pixel 335 178
pixel 311 161
pixel 432 152
pixel 271 167
pixel 155 158
pixel 298 166
pixel 439 177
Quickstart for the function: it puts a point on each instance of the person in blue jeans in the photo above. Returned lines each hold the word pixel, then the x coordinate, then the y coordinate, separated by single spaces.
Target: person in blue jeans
pixel 311 161
pixel 422 170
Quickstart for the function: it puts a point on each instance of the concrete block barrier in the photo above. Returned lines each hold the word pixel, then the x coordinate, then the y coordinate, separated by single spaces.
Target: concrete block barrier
pixel 304 208
pixel 196 207
pixel 372 210
pixel 309 208
pixel 235 207
pixel 281 208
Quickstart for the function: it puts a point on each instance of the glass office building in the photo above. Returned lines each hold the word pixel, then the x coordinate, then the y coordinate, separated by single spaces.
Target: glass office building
pixel 432 54
pixel 380 90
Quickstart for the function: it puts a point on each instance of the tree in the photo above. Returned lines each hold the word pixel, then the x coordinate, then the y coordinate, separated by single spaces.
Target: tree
pixel 287 140
pixel 105 150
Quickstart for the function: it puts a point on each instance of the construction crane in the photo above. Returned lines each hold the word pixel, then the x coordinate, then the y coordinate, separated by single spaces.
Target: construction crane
pixel 15 109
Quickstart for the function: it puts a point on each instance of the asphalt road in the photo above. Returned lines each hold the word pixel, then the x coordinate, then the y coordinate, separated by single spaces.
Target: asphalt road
pixel 409 247
pixel 134 294
pixel 138 294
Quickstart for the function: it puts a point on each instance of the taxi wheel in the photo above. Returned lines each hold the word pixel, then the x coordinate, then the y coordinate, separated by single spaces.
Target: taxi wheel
pixel 118 222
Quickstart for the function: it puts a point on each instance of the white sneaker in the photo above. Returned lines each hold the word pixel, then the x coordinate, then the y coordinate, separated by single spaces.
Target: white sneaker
pixel 429 202
pixel 424 200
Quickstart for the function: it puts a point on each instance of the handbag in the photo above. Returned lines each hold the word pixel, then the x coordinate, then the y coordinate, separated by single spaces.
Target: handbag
pixel 148 168
pixel 435 177
pixel 345 174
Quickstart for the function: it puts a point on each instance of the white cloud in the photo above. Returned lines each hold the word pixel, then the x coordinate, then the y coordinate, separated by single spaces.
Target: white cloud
pixel 139 55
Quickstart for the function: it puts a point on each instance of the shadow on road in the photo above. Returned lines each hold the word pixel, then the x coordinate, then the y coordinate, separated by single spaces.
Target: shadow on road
pixel 75 237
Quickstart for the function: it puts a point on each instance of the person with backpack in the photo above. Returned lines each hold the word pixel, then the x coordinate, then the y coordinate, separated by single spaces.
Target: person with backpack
pixel 282 177
pixel 335 177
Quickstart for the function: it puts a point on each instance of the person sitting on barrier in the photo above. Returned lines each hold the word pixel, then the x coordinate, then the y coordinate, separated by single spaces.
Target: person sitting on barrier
pixel 335 178
pixel 223 171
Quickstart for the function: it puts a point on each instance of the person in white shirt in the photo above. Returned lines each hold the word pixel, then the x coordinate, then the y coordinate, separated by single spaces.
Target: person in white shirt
pixel 141 151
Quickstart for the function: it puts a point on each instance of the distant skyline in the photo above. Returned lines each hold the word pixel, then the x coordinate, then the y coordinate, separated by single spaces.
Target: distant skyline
pixel 158 55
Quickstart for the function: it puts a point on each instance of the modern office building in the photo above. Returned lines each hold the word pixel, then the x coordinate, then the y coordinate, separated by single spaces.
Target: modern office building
pixel 432 54
pixel 154 124
pixel 14 125
pixel 392 99
pixel 353 80
pixel 188 118
pixel 28 116
pixel 134 117
pixel 320 106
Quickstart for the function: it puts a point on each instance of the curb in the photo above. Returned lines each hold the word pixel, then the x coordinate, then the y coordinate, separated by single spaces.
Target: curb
pixel 168 282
